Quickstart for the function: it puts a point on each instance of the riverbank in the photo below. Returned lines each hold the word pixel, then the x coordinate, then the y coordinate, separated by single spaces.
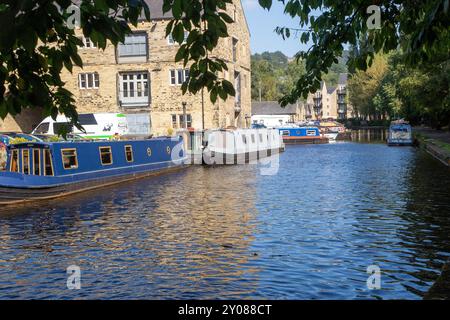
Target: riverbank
pixel 435 142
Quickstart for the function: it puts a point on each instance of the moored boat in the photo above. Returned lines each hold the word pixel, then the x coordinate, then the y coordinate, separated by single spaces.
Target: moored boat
pixel 239 146
pixel 400 134
pixel 302 135
pixel 46 170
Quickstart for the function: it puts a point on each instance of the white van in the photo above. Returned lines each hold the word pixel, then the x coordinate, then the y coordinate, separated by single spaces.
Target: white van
pixel 97 125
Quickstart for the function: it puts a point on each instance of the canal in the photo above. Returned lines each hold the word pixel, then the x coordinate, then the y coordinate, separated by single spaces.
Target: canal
pixel 310 231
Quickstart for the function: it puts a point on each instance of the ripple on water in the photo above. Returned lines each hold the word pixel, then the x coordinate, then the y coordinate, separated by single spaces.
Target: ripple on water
pixel 308 232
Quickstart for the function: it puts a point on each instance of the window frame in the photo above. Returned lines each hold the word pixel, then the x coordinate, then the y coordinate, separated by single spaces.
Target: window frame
pixel 45 152
pixel 95 81
pixel 27 151
pixel 15 151
pixel 100 153
pixel 132 55
pixel 174 121
pixel 174 76
pixel 39 162
pixel 76 158
pixel 126 153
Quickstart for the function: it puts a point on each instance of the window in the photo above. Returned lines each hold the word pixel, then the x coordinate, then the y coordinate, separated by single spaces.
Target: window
pixel 87 42
pixel 88 80
pixel 179 76
pixel 48 165
pixel 286 133
pixel 188 120
pixel 244 139
pixel 129 153
pixel 25 161
pixel 171 41
pixel 174 121
pixel 260 137
pixel 134 88
pixel 14 167
pixel 69 158
pixel 310 132
pixel 62 126
pixel 87 119
pixel 106 155
pixel 42 128
pixel 135 45
pixel 253 138
pixel 234 46
pixel 36 162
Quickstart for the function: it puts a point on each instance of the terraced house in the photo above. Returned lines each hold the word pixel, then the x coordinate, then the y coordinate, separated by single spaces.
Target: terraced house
pixel 140 77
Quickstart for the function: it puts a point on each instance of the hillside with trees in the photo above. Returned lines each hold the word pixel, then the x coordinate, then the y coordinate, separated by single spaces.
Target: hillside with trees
pixel 274 74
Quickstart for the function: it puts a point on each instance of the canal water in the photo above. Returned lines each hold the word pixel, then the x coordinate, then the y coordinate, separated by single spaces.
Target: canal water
pixel 310 231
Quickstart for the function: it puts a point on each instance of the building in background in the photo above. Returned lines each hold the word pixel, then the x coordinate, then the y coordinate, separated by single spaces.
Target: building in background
pixel 141 78
pixel 270 113
pixel 329 102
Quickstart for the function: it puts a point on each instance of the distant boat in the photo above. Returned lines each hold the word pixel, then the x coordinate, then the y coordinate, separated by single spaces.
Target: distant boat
pixel 400 134
pixel 46 170
pixel 302 135
pixel 331 129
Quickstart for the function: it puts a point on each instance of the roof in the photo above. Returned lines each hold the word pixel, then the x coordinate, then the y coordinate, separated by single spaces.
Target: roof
pixel 155 7
pixel 330 90
pixel 272 107
pixel 342 78
pixel 156 12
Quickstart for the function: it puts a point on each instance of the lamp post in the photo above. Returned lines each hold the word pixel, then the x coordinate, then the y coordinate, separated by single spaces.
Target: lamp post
pixel 184 115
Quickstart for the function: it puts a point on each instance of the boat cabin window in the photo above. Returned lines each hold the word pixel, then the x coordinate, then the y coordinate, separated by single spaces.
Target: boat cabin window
pixel 25 161
pixel 48 165
pixel 36 162
pixel 310 132
pixel 129 153
pixel 244 139
pixel 106 155
pixel 69 158
pixel 286 133
pixel 14 161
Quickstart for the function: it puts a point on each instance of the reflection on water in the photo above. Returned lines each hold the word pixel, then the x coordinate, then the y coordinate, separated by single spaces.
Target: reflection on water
pixel 227 232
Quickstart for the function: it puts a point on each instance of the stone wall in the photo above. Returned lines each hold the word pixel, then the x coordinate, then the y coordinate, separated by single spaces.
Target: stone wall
pixel 166 99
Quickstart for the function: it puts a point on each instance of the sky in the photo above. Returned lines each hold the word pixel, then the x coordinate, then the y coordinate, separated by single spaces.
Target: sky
pixel 262 24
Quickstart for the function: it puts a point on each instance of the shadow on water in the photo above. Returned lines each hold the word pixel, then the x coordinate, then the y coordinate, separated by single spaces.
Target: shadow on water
pixel 308 232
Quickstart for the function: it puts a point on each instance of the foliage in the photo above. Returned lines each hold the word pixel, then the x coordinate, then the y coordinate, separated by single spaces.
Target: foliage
pixel 391 88
pixel 274 75
pixel 36 43
pixel 420 28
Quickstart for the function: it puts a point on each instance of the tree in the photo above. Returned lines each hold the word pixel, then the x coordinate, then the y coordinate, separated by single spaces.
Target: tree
pixel 365 85
pixel 29 69
pixel 38 40
pixel 420 28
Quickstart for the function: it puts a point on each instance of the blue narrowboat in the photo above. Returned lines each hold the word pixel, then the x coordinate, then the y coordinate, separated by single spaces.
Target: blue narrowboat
pixel 302 135
pixel 400 134
pixel 46 170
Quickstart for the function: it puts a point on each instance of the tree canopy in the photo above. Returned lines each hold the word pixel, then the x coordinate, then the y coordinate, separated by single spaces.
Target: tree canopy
pixel 36 42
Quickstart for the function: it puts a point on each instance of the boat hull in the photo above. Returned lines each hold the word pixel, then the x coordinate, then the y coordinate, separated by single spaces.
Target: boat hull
pixel 15 195
pixel 305 140
pixel 219 158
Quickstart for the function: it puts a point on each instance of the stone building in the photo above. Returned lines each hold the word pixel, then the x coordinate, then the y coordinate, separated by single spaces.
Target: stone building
pixel 329 102
pixel 141 77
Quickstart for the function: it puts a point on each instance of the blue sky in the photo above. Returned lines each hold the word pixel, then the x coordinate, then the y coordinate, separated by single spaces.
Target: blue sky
pixel 262 24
